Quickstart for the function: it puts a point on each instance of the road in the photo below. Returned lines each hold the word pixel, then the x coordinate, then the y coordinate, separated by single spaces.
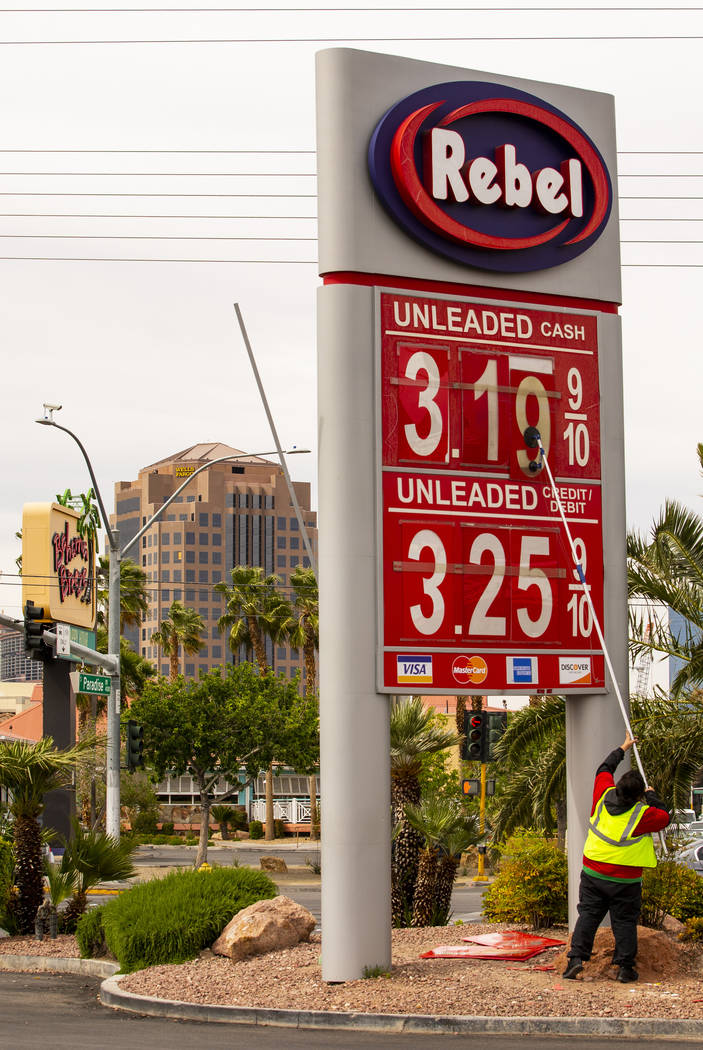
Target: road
pixel 42 1010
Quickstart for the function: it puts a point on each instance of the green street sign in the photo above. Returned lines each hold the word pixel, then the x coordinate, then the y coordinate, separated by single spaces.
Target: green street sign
pixel 81 636
pixel 95 684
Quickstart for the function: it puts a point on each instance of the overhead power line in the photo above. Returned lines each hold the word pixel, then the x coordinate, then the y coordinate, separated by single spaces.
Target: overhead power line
pixel 315 10
pixel 343 40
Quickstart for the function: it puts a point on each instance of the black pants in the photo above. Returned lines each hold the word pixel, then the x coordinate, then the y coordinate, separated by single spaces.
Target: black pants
pixel 597 897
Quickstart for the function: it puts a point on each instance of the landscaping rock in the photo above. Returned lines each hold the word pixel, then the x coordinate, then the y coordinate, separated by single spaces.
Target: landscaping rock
pixel 265 926
pixel 274 864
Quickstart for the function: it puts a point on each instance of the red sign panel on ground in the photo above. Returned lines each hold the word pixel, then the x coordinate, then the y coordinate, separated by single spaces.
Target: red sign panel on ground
pixel 479 590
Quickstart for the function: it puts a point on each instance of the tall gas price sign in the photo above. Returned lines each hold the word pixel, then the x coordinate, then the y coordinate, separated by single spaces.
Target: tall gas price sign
pixel 471 279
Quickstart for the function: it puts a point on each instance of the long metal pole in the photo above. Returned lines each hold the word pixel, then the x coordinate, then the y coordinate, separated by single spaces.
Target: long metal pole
pixel 587 592
pixel 274 432
pixel 112 797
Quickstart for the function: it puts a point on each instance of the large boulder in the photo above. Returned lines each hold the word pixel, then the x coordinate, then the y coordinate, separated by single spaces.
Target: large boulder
pixel 274 864
pixel 266 926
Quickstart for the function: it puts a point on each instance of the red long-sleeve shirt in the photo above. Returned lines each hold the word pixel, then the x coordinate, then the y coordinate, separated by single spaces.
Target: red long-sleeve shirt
pixel 655 818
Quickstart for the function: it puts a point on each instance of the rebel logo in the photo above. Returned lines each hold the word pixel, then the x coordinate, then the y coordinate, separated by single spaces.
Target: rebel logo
pixel 490 176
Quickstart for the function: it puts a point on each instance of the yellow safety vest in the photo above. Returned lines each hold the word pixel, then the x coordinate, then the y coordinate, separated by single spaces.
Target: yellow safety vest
pixel 611 841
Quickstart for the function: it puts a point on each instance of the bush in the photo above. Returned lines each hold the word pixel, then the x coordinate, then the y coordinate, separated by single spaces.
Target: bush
pixel 7 865
pixel 90 934
pixel 670 889
pixel 168 827
pixel 279 829
pixel 693 931
pixel 170 920
pixel 241 820
pixel 531 886
pixel 256 829
pixel 145 824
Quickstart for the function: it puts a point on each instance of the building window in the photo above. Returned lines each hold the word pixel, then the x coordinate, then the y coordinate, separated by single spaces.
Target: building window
pixel 281 654
pixel 202 613
pixel 216 559
pixel 306 563
pixel 190 669
pixel 203 518
pixel 164 668
pixel 143 559
pixel 203 539
pixel 202 576
pixel 165 557
pixel 203 596
pixel 281 523
pixel 178 537
pixel 216 652
pixel 217 539
pixel 165 594
pixel 203 557
pixel 216 576
pixel 178 555
pixel 295 543
pixel 294 524
pixel 190 538
pixel 281 561
pixel 190 575
pixel 281 542
pixel 170 517
pixel 215 632
pixel 190 556
pixel 217 520
pixel 178 595
pixel 177 576
pixel 190 596
pixel 293 561
pixel 166 575
pixel 165 538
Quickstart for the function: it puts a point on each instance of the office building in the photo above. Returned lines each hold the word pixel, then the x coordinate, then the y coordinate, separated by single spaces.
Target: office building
pixel 235 513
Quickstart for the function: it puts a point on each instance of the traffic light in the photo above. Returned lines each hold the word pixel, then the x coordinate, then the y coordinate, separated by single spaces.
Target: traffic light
pixel 497 723
pixel 474 732
pixel 34 627
pixel 135 745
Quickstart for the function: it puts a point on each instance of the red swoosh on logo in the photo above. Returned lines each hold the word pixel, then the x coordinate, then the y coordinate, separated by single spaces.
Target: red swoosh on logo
pixel 402 161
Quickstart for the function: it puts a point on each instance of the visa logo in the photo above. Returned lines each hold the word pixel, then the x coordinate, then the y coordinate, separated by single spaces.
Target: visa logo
pixel 414 669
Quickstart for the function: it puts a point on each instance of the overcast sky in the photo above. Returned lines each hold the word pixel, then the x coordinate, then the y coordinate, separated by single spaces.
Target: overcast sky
pixel 145 356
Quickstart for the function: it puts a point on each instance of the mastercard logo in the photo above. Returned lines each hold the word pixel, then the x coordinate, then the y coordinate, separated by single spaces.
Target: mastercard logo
pixel 469 670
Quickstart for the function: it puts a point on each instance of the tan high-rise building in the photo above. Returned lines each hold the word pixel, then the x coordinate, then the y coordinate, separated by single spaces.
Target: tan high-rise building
pixel 236 513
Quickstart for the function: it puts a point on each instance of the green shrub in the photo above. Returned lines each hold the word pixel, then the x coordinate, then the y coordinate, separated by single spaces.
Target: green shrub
pixel 90 934
pixel 191 840
pixel 168 827
pixel 279 829
pixel 531 886
pixel 170 920
pixel 145 824
pixel 7 865
pixel 670 889
pixel 241 820
pixel 256 829
pixel 693 931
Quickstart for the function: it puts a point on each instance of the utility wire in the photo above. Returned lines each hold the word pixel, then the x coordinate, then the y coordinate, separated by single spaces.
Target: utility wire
pixel 354 40
pixel 315 10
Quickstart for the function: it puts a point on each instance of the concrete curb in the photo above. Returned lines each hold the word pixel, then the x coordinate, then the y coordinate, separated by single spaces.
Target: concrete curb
pixel 111 994
pixel 58 964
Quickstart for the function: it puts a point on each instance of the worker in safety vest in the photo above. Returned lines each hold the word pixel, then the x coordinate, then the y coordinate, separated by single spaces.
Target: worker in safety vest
pixel 619 845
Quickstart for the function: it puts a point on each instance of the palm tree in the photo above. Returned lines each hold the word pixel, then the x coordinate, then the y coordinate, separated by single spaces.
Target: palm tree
pixel 304 634
pixel 415 733
pixel 532 754
pixel 667 569
pixel 447 832
pixel 255 611
pixel 92 857
pixel 28 772
pixel 134 602
pixel 183 628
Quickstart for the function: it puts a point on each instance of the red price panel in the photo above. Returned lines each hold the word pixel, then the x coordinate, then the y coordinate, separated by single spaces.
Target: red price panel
pixel 479 588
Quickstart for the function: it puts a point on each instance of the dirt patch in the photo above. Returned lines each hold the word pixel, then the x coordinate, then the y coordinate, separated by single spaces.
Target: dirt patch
pixel 659 957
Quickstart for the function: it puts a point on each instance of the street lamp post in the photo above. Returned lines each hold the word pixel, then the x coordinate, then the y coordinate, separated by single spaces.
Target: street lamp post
pixel 112 785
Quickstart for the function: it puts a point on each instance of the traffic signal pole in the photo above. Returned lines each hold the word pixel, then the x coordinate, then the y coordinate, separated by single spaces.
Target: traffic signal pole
pixel 481 875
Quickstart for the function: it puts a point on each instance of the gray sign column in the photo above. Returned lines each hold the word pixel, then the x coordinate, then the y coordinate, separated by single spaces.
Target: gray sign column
pixel 354 718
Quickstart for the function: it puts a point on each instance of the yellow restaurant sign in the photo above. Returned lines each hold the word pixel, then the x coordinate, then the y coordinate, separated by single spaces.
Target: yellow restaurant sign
pixel 58 564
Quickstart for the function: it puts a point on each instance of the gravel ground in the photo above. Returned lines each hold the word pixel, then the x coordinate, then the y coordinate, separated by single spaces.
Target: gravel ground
pixel 290 979
pixel 670 986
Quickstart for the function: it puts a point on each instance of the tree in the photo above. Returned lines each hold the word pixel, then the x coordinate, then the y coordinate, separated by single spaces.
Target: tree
pixel 447 832
pixel 89 858
pixel 134 601
pixel 28 772
pixel 182 629
pixel 667 569
pixel 223 723
pixel 532 758
pixel 304 634
pixel 255 611
pixel 415 733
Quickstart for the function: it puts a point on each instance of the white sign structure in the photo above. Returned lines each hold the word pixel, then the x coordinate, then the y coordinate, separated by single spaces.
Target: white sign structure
pixel 469 251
